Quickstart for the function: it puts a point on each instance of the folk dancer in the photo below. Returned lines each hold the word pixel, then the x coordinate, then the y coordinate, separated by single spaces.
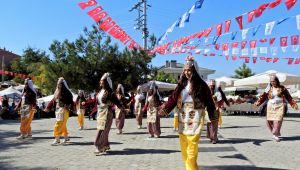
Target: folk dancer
pixel 192 96
pixel 277 96
pixel 27 109
pixel 151 107
pixel 64 105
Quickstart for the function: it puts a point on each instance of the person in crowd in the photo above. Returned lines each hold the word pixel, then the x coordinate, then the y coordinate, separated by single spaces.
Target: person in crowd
pixel 277 96
pixel 138 106
pixel 151 107
pixel 64 106
pixel 191 96
pixel 219 100
pixel 80 101
pixel 27 109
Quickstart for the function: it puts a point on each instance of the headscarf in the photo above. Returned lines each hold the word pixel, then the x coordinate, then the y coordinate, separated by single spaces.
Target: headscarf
pixel 272 77
pixel 30 85
pixel 120 86
pixel 106 76
pixel 61 80
pixel 190 62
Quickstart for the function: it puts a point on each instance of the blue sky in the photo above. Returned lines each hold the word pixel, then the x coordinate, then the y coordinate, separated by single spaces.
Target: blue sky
pixel 37 23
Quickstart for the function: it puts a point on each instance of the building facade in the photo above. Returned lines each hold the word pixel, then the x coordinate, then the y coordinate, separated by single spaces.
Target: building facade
pixel 175 69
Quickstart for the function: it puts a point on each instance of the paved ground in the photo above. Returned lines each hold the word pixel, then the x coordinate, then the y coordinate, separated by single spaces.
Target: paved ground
pixel 245 143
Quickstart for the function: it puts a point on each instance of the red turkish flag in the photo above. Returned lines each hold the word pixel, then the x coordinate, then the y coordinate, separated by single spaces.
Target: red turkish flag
pixel 290 3
pixel 227 25
pixel 234 58
pixel 269 59
pixel 243 44
pixel 219 30
pixel 252 43
pixel 260 10
pixel 207 31
pixel 275 60
pixel 283 41
pixel 254 59
pixel 251 16
pixel 290 60
pixel 247 59
pixel 217 46
pixel 212 54
pixel 297 61
pixel 227 57
pixel 239 20
pixel 199 34
pixel 263 40
pixel 274 4
pixel 295 40
pixel 234 44
pixel 272 41
pixel 262 58
pixel 225 47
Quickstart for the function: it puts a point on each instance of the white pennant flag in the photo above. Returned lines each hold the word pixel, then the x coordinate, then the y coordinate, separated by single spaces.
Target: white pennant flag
pixel 226 52
pixel 183 18
pixel 192 10
pixel 244 33
pixel 284 49
pixel 263 50
pixel 269 28
pixel 235 51
pixel 206 40
pixel 298 21
pixel 274 50
pixel 254 51
pixel 206 51
pixel 245 51
pixel 172 27
pixel 197 51
pixel 295 48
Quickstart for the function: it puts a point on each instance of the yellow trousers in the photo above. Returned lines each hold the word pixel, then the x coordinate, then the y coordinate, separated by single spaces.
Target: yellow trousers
pixel 60 127
pixel 220 117
pixel 25 127
pixel 80 118
pixel 176 121
pixel 189 150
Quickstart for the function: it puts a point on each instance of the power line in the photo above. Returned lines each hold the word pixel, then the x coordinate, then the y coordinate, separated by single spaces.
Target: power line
pixel 141 20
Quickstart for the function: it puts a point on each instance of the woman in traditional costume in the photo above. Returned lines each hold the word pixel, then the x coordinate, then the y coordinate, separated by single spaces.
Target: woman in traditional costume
pixel 120 114
pixel 27 106
pixel 192 96
pixel 219 100
pixel 80 102
pixel 64 105
pixel 138 106
pixel 277 96
pixel 151 107
pixel 105 99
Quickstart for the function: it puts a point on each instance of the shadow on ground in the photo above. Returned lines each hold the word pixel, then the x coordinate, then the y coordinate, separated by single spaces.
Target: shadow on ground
pixel 134 151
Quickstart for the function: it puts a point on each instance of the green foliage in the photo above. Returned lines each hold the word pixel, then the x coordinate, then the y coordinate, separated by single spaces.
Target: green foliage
pixel 83 61
pixel 162 76
pixel 243 72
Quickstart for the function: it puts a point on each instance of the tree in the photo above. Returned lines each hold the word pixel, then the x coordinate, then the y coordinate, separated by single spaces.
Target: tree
pixel 162 76
pixel 243 72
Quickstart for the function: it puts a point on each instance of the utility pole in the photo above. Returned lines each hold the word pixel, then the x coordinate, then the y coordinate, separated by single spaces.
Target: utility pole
pixel 142 19
pixel 2 67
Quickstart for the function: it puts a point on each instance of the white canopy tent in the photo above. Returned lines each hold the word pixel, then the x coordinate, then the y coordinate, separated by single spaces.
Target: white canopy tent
pixel 21 87
pixel 239 88
pixel 296 94
pixel 227 81
pixel 162 86
pixel 11 92
pixel 47 99
pixel 263 79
